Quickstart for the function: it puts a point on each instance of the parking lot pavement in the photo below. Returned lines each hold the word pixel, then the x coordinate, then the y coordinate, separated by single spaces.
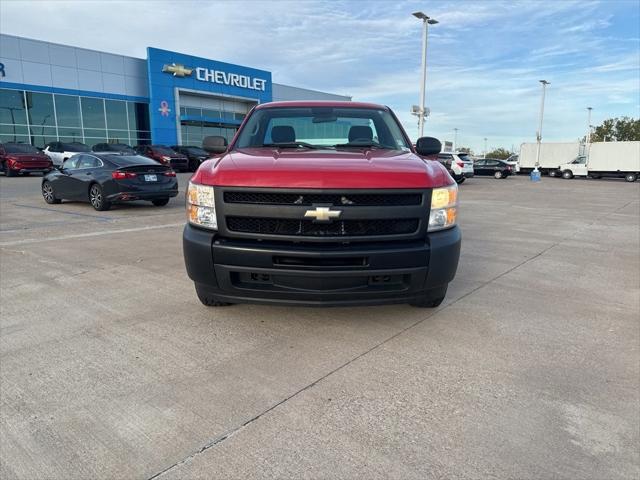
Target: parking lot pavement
pixel 111 368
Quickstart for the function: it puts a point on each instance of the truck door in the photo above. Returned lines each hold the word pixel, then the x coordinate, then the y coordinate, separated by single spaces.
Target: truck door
pixel 579 167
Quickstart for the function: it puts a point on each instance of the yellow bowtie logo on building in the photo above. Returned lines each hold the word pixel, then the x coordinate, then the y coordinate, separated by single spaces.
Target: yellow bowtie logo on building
pixel 177 70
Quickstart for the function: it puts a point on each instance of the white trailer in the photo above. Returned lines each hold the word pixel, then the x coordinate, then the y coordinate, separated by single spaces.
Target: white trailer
pixel 551 155
pixel 605 159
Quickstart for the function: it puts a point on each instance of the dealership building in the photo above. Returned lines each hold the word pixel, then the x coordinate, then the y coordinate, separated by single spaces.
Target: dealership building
pixel 52 92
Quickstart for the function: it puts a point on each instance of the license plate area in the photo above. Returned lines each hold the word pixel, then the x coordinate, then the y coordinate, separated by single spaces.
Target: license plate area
pixel 150 177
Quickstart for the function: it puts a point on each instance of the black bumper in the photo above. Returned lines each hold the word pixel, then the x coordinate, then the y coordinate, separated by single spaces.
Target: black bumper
pixel 239 271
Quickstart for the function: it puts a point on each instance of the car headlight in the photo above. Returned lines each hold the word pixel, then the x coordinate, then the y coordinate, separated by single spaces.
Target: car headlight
pixel 444 208
pixel 201 206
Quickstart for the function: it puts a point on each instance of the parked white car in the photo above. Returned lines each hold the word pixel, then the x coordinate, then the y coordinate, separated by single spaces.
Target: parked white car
pixel 58 152
pixel 460 165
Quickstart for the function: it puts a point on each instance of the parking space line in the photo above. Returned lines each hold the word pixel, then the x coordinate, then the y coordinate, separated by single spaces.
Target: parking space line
pixel 89 234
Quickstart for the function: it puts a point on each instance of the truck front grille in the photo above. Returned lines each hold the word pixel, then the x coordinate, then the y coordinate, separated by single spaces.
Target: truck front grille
pixel 307 199
pixel 345 228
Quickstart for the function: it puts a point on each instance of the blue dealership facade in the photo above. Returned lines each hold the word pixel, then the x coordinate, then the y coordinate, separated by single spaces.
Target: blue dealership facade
pixel 52 92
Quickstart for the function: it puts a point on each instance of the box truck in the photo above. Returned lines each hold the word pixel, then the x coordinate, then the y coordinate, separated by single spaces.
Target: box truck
pixel 551 155
pixel 605 159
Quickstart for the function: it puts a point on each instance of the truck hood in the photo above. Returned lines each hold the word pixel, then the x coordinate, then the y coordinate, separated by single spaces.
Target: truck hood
pixel 301 168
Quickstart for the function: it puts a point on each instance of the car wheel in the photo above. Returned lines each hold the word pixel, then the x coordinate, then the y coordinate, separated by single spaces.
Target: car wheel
pixel 431 299
pixel 567 174
pixel 460 180
pixel 631 177
pixel 207 299
pixel 97 199
pixel 160 202
pixel 498 175
pixel 48 195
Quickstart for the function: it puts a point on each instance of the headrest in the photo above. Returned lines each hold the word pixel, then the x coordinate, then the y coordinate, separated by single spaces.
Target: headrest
pixel 360 132
pixel 283 134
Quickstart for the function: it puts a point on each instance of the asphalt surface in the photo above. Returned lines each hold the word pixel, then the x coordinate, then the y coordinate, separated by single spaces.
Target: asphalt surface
pixel 110 367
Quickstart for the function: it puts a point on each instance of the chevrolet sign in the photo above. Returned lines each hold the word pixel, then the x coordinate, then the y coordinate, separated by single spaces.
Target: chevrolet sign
pixel 217 76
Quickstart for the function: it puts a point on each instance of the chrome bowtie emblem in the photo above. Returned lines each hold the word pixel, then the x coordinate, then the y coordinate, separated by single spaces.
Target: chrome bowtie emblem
pixel 177 70
pixel 322 214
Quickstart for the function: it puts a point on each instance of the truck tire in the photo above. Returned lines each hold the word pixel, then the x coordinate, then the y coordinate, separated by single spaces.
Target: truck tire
pixel 567 174
pixel 431 299
pixel 9 172
pixel 553 173
pixel 631 177
pixel 207 299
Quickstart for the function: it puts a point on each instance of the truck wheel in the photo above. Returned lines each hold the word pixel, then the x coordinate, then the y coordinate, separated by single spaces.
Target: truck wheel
pixel 567 174
pixel 631 177
pixel 209 300
pixel 431 298
pixel 553 173
pixel 10 173
pixel 498 175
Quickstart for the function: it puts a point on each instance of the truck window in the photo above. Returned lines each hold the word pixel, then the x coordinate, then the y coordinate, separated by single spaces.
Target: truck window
pixel 326 127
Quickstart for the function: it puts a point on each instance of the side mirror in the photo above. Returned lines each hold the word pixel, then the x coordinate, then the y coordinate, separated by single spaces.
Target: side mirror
pixel 428 146
pixel 214 144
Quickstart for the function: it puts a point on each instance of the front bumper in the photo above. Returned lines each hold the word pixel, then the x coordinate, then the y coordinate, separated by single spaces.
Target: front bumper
pixel 240 271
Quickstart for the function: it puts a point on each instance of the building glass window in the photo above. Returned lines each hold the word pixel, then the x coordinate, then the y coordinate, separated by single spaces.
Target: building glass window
pixel 12 109
pixel 138 116
pixel 116 114
pixel 92 113
pixel 40 108
pixel 67 110
pixel 40 118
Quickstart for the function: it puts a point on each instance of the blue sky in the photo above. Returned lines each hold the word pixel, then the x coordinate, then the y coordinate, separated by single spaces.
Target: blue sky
pixel 484 61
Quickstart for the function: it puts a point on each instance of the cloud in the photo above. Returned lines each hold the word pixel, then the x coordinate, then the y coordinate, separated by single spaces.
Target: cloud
pixel 484 60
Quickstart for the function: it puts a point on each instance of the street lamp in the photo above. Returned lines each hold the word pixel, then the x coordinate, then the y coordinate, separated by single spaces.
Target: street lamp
pixel 455 139
pixel 426 21
pixel 539 135
pixel 485 148
pixel 589 125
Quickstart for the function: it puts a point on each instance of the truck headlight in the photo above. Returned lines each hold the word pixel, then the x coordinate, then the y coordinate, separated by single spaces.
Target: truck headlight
pixel 201 206
pixel 444 208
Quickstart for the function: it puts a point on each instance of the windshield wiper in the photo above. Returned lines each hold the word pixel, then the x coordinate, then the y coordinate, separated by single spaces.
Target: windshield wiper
pixel 362 145
pixel 290 145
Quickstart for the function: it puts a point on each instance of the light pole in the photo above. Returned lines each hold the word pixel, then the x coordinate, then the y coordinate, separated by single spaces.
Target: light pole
pixel 426 21
pixel 589 125
pixel 539 135
pixel 485 148
pixel 455 139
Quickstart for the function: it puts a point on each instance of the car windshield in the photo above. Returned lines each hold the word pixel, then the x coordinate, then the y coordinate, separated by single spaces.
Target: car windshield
pixel 20 148
pixel 196 151
pixel 164 150
pixel 322 127
pixel 75 147
pixel 119 147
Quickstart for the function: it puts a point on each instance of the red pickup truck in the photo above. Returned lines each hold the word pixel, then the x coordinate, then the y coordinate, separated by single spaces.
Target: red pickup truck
pixel 322 203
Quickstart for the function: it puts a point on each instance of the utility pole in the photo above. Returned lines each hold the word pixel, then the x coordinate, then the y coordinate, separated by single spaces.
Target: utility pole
pixel 426 21
pixel 539 135
pixel 455 139
pixel 589 125
pixel 485 148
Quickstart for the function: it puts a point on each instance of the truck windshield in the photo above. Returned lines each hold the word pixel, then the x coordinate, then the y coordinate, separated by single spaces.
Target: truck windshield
pixel 322 127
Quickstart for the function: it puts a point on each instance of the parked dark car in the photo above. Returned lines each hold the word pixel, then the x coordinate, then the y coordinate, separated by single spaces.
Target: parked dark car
pixel 103 179
pixel 23 158
pixel 114 147
pixel 492 166
pixel 165 156
pixel 195 155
